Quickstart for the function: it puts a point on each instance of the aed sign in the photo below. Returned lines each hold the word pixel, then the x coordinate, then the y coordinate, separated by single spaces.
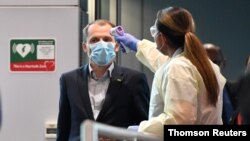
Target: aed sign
pixel 32 55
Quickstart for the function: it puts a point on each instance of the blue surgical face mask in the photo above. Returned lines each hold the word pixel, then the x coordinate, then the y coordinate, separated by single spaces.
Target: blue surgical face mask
pixel 102 53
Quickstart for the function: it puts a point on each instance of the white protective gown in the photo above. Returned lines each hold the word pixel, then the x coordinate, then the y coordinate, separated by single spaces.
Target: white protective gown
pixel 178 94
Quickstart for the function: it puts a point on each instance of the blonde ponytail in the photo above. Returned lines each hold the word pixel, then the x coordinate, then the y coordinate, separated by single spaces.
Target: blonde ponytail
pixel 195 52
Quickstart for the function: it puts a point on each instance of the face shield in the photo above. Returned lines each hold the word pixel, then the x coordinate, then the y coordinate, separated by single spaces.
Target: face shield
pixel 153 31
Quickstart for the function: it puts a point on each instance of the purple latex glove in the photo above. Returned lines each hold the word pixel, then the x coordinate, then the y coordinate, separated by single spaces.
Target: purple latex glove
pixel 128 40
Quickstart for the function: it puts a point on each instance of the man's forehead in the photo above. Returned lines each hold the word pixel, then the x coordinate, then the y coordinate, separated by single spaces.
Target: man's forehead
pixel 99 27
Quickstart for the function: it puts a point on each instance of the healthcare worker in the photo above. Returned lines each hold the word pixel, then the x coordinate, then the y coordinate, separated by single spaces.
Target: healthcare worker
pixel 187 86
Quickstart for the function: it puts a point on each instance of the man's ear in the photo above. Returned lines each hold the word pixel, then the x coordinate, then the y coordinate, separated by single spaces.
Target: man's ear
pixel 84 47
pixel 116 47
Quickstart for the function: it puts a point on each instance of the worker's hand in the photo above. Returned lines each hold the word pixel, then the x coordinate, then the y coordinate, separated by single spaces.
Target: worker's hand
pixel 128 40
pixel 133 128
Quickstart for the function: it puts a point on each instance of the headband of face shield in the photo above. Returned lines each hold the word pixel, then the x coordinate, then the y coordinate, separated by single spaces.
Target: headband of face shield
pixel 102 53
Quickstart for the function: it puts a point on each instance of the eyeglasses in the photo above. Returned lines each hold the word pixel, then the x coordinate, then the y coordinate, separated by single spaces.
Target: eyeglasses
pixel 153 31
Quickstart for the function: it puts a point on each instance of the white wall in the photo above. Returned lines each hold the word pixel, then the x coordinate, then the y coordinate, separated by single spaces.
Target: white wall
pixel 29 100
pixel 39 2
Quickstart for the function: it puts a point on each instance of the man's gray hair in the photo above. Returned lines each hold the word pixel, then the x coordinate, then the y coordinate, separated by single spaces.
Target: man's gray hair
pixel 100 22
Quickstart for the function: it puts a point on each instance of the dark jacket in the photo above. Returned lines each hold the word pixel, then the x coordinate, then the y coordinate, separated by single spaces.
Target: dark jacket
pixel 239 91
pixel 126 102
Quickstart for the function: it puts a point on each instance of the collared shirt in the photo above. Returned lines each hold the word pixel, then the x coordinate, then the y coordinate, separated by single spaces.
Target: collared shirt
pixel 98 89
